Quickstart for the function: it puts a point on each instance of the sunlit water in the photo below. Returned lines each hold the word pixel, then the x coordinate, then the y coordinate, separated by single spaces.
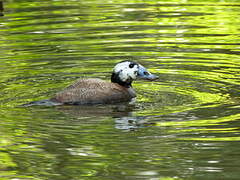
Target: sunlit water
pixel 183 126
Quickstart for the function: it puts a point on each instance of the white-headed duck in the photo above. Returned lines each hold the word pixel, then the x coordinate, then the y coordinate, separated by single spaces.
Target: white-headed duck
pixel 97 91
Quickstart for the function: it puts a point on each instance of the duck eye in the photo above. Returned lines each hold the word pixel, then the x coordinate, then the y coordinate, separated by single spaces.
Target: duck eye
pixel 131 65
pixel 146 73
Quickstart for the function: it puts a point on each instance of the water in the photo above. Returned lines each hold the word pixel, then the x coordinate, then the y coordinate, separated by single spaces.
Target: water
pixel 183 126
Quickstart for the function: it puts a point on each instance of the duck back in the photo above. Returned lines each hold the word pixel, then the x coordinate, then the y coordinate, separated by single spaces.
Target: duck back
pixel 94 91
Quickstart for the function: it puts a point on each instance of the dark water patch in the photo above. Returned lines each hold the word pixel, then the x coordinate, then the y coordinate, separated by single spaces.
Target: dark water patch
pixel 1 8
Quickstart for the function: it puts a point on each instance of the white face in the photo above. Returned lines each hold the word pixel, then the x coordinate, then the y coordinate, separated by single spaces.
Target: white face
pixel 126 70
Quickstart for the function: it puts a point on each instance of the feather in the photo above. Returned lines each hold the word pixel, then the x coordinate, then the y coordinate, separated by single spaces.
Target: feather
pixel 94 91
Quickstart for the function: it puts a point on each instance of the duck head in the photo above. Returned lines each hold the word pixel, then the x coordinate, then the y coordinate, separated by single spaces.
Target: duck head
pixel 127 71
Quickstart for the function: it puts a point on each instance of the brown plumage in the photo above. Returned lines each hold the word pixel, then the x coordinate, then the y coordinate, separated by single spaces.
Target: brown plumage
pixel 94 91
pixel 97 91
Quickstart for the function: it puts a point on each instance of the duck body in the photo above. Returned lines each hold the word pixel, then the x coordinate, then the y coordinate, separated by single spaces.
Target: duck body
pixel 97 91
pixel 94 91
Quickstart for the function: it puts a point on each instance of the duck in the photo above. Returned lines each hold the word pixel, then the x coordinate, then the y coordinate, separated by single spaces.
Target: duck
pixel 97 91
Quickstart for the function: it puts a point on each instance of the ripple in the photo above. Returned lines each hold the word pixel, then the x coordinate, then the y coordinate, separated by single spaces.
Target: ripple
pixel 185 125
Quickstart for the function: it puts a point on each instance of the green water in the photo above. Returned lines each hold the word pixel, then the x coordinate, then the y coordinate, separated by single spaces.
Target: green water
pixel 183 126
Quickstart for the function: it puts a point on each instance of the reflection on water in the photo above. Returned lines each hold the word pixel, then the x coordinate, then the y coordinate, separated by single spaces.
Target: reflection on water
pixel 183 126
pixel 121 113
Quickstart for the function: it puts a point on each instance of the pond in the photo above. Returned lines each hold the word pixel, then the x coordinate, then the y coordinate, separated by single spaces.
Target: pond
pixel 185 125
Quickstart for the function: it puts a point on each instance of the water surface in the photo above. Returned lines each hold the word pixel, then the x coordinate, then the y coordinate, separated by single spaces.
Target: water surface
pixel 183 126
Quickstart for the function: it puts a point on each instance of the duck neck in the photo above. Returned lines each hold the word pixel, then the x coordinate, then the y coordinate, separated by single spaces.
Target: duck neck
pixel 115 79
